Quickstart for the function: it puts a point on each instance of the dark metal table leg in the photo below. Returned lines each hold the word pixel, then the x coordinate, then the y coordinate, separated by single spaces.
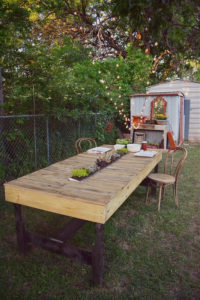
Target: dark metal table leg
pixel 98 255
pixel 21 236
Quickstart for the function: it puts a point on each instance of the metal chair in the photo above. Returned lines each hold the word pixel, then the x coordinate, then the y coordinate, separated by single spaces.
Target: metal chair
pixel 78 143
pixel 163 179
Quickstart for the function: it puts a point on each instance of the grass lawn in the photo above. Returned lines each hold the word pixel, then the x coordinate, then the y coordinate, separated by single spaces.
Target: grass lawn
pixel 149 255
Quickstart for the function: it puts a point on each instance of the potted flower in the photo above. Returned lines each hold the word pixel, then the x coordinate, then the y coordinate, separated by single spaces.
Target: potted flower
pixel 161 119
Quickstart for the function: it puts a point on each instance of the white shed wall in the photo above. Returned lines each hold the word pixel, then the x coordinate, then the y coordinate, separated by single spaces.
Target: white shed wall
pixel 172 111
pixel 191 90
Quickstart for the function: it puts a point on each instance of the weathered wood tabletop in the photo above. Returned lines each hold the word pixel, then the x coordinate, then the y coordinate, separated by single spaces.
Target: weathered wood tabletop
pixel 95 198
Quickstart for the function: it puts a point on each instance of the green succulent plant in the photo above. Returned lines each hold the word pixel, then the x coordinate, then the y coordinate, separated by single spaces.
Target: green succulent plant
pixel 122 151
pixel 81 172
pixel 123 141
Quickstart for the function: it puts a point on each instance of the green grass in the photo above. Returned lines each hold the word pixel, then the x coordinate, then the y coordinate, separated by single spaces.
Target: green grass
pixel 149 255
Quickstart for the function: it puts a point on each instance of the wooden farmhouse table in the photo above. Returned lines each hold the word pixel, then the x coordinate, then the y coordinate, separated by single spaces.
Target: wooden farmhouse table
pixel 94 199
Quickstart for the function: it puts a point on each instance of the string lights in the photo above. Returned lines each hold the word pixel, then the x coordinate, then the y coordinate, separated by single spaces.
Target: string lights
pixel 127 122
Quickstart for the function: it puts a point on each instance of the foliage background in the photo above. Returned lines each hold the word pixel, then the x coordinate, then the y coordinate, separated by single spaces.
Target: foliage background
pixel 47 50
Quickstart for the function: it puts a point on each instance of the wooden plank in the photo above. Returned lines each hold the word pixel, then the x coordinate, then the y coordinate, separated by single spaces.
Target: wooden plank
pixel 74 189
pixel 56 246
pixel 21 234
pixel 117 201
pixel 49 189
pixel 70 229
pixel 98 256
pixel 69 206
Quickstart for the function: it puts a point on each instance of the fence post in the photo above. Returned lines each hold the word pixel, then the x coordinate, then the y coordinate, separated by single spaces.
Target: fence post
pixel 48 144
pixel 79 127
pixel 1 94
pixel 1 103
pixel 35 141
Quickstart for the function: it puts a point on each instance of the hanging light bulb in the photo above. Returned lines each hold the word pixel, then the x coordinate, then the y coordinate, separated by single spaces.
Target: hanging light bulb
pixel 122 103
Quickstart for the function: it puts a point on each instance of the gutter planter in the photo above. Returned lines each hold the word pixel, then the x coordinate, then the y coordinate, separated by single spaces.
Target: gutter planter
pixel 100 163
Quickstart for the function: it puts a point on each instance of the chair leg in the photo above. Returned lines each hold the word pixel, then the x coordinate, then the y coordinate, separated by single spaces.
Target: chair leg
pixel 159 198
pixel 163 192
pixel 147 192
pixel 176 193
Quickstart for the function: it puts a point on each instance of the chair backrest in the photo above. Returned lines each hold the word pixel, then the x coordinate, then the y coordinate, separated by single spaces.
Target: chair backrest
pixel 78 143
pixel 175 166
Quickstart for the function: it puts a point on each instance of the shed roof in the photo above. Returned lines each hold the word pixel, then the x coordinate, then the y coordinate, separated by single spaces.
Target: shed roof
pixel 174 81
pixel 158 94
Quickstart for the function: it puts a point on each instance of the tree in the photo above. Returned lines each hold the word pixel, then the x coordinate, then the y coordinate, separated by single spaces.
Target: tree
pixel 14 25
pixel 172 25
pixel 49 68
pixel 91 23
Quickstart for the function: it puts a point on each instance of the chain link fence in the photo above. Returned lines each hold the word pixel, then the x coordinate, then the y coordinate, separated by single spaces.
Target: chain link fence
pixel 31 142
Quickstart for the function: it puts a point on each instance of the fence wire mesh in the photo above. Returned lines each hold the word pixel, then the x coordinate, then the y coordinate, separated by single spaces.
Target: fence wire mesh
pixel 28 143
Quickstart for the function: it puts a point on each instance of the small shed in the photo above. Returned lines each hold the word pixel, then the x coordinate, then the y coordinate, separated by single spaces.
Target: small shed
pixel 173 106
pixel 191 91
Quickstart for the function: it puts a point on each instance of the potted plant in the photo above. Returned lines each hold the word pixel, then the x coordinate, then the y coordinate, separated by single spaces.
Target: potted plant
pixel 161 119
pixel 123 142
pixel 80 174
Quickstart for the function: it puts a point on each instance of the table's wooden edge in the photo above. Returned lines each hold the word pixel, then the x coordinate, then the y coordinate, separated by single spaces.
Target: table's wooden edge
pixel 69 206
pixel 117 201
pixel 88 201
